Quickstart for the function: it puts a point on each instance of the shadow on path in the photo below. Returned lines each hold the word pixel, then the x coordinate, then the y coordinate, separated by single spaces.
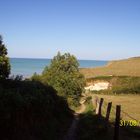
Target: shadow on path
pixel 72 132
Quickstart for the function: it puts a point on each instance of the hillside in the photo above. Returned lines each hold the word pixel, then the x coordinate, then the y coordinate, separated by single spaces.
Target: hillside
pixel 125 67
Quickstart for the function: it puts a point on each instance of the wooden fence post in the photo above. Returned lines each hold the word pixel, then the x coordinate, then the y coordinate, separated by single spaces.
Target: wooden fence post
pixel 97 105
pixel 100 107
pixel 117 122
pixel 108 111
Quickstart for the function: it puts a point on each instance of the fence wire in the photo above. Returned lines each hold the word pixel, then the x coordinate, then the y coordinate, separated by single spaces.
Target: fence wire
pixel 124 114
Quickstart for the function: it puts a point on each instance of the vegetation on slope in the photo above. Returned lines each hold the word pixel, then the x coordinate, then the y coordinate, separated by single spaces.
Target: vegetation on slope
pixel 30 110
pixel 126 67
pixel 119 84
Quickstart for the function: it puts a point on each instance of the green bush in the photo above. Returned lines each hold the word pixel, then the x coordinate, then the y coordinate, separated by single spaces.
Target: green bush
pixel 63 74
pixel 4 61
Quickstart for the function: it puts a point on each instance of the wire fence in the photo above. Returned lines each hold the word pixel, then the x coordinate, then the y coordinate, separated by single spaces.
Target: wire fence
pixel 114 115
pixel 124 115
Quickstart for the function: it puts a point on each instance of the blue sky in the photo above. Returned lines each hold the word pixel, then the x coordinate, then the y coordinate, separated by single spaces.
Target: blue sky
pixel 89 29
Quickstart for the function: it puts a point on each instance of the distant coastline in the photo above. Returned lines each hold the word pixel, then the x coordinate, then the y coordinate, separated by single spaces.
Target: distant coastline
pixel 28 66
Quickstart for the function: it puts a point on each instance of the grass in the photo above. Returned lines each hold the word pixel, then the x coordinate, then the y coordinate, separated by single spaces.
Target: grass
pixel 127 67
pixel 129 104
pixel 129 111
pixel 118 84
pixel 93 127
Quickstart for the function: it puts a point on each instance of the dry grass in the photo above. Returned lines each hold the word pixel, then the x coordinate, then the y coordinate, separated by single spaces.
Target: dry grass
pixel 127 67
pixel 129 103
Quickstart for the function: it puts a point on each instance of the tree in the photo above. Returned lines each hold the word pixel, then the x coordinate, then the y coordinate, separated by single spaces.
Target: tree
pixel 63 74
pixel 4 61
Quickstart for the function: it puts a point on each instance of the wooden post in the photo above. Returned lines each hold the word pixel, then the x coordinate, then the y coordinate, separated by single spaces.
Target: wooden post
pixel 108 111
pixel 117 122
pixel 100 107
pixel 97 105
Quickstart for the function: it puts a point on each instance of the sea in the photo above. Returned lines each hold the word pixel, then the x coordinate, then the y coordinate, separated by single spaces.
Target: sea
pixel 28 66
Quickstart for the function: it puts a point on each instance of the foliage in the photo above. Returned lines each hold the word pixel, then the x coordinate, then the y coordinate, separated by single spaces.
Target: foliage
pixel 35 77
pixel 16 77
pixel 63 74
pixel 119 84
pixel 126 85
pixel 30 110
pixel 4 61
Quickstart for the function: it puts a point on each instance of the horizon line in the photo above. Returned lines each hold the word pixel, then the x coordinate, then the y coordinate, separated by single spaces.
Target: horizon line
pixel 52 58
pixel 77 58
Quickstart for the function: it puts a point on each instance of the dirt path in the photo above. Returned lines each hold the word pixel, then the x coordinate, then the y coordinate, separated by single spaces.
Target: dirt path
pixel 71 135
pixel 82 107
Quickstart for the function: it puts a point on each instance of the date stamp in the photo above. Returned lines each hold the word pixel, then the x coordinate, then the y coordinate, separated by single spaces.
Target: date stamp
pixel 129 123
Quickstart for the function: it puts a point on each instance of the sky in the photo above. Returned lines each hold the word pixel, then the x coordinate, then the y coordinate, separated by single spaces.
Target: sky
pixel 88 29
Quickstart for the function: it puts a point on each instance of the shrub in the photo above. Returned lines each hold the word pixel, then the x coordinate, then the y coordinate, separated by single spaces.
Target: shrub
pixel 30 109
pixel 4 61
pixel 63 74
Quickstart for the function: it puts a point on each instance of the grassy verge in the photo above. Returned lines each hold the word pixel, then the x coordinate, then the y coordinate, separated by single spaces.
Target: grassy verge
pixel 92 127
